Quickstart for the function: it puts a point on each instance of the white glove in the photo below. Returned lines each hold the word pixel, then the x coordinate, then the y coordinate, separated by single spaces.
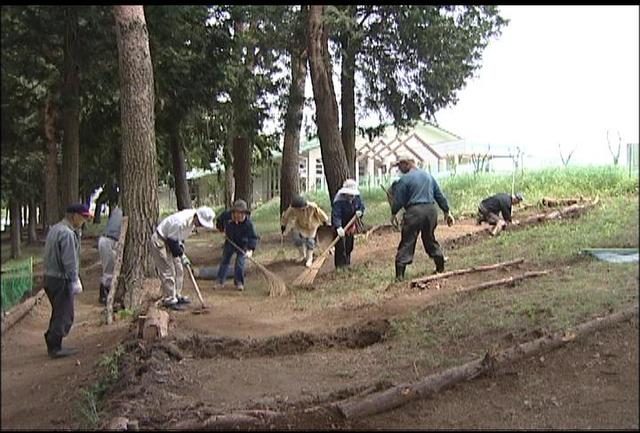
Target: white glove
pixel 450 220
pixel 340 232
pixel 358 213
pixel 185 260
pixel 76 287
pixel 248 253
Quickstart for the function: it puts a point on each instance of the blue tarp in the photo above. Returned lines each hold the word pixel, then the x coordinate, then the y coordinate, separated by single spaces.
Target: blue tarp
pixel 614 255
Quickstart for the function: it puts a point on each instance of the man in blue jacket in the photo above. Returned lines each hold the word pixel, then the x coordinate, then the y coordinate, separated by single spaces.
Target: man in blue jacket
pixel 346 204
pixel 237 226
pixel 418 192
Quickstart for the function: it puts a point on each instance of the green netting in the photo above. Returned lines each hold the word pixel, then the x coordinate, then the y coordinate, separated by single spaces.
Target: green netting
pixel 16 281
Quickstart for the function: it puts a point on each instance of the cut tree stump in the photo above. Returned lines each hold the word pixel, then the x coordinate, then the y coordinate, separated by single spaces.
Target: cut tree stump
pixel 428 386
pixel 15 314
pixel 156 325
pixel 503 281
pixel 422 280
pixel 116 270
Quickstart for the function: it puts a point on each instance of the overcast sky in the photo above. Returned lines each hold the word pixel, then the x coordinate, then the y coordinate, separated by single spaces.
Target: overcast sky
pixel 556 75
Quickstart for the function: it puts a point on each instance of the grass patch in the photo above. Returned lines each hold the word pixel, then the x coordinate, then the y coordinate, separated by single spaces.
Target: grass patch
pixel 92 396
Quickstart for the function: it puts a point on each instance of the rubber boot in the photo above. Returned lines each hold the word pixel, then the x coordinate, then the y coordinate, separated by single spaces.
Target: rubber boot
pixel 400 272
pixel 439 260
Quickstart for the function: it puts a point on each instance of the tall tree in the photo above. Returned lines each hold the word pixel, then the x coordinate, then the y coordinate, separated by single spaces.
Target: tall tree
pixel 333 154
pixel 139 166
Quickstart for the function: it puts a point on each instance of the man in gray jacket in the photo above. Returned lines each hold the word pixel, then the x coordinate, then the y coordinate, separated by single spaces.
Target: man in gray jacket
pixel 61 279
pixel 107 248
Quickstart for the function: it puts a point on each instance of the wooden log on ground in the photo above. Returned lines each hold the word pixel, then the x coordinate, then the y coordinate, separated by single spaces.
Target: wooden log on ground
pixel 15 314
pixel 551 202
pixel 572 210
pixel 236 420
pixel 422 280
pixel 156 325
pixel 402 394
pixel 503 281
pixel 116 269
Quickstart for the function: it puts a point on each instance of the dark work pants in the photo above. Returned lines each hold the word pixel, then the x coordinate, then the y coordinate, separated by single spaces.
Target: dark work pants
pixel 59 293
pixel 343 251
pixel 420 218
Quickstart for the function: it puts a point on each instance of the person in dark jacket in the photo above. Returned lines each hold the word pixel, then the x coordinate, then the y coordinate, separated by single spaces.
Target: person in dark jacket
pixel 238 227
pixel 61 276
pixel 346 204
pixel 418 192
pixel 491 207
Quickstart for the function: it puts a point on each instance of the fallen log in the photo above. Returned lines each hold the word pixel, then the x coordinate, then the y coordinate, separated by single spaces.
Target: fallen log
pixel 419 281
pixel 428 386
pixel 116 269
pixel 156 324
pixel 503 281
pixel 243 419
pixel 15 314
pixel 551 202
pixel 572 210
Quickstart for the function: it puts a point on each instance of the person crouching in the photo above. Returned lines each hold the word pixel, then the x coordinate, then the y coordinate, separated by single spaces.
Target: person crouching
pixel 237 227
pixel 304 218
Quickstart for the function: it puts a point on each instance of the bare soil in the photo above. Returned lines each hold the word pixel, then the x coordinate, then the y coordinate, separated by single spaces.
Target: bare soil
pixel 255 352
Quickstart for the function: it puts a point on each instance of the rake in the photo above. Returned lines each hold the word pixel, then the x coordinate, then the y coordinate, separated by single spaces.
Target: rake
pixel 277 286
pixel 203 309
pixel 306 277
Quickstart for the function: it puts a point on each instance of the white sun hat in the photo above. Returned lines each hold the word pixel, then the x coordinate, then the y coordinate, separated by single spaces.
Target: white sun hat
pixel 404 156
pixel 349 187
pixel 206 216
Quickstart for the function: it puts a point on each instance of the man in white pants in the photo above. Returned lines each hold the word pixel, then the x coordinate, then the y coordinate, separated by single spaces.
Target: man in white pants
pixel 107 248
pixel 167 249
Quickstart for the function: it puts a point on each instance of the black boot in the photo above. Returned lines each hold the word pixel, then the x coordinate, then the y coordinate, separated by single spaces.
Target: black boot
pixel 104 291
pixel 439 260
pixel 400 272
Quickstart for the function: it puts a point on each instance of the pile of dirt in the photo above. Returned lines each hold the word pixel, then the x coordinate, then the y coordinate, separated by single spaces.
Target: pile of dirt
pixel 356 336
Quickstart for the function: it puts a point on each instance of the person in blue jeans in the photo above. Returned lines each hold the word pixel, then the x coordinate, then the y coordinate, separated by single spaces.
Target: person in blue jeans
pixel 237 226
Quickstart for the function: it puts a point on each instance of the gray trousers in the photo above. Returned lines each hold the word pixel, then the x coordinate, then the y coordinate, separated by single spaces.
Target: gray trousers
pixel 107 249
pixel 423 219
pixel 169 268
pixel 59 293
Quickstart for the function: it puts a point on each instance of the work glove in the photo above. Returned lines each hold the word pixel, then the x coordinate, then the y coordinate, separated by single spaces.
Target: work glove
pixel 76 287
pixel 185 260
pixel 449 219
pixel 248 253
pixel 282 229
pixel 340 232
pixel 359 213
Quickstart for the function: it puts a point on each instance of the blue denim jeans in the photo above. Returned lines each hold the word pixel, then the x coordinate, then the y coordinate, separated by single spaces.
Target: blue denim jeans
pixel 227 252
pixel 298 240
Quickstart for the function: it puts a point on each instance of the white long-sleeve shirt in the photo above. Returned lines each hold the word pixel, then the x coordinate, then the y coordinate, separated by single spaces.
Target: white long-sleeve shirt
pixel 177 226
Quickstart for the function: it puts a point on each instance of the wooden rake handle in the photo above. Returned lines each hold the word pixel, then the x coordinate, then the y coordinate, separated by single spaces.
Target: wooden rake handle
pixel 195 285
pixel 241 250
pixel 335 241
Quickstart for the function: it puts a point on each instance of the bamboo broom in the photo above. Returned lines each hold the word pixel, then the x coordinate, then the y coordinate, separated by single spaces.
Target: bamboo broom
pixel 277 286
pixel 307 276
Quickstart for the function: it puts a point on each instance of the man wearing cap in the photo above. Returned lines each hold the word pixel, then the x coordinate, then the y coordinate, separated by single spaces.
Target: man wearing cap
pixel 238 227
pixel 167 250
pixel 61 276
pixel 107 248
pixel 418 192
pixel 501 203
pixel 304 218
pixel 346 204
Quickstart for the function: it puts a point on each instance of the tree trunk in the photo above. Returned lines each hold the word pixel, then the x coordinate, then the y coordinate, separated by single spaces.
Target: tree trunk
pixel 289 174
pixel 242 169
pixel 71 110
pixel 139 189
pixel 32 233
pixel 347 103
pixel 183 199
pixel 52 197
pixel 333 155
pixel 229 184
pixel 14 205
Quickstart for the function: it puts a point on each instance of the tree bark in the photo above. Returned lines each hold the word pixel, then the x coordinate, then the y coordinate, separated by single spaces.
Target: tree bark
pixel 347 102
pixel 52 197
pixel 16 227
pixel 183 199
pixel 333 155
pixel 156 325
pixel 71 110
pixel 229 184
pixel 33 222
pixel 289 174
pixel 139 189
pixel 242 154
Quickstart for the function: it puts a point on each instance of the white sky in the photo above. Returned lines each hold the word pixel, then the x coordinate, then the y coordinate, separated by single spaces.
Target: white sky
pixel 556 75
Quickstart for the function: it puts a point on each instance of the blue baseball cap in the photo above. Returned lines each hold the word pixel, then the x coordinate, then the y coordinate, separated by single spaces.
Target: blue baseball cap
pixel 79 208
